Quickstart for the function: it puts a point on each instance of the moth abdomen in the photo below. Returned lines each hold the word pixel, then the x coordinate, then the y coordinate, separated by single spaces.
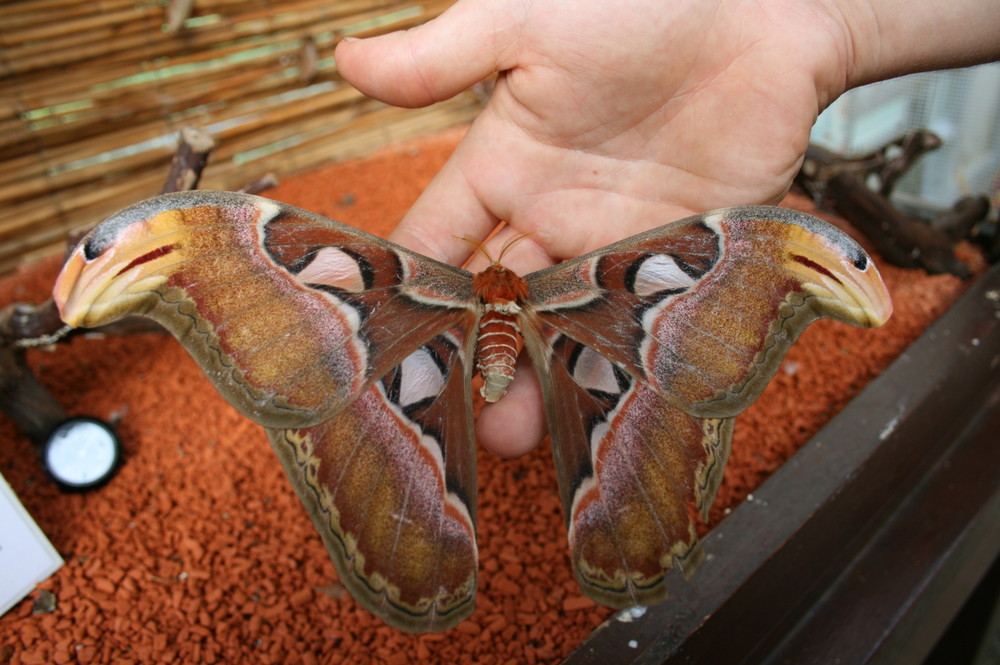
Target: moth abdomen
pixel 497 346
pixel 499 339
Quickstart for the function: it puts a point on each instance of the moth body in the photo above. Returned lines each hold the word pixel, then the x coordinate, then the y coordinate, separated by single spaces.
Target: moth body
pixel 499 338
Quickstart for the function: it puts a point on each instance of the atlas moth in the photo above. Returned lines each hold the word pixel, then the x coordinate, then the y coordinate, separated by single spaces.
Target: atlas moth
pixel 357 357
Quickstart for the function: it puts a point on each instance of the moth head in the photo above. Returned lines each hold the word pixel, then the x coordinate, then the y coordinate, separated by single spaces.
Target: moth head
pixel 850 289
pixel 126 258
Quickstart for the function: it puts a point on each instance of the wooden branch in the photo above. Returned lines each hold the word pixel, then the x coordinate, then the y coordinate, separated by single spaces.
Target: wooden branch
pixel 189 160
pixel 30 176
pixel 24 400
pixel 178 11
pixel 886 165
pixel 308 60
pixel 22 397
pixel 268 181
pixel 113 84
pixel 900 155
pixel 840 184
pixel 901 240
pixel 959 222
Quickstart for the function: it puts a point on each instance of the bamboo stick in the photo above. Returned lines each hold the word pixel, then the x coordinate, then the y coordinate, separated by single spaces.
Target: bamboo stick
pixel 354 139
pixel 224 85
pixel 99 87
pixel 136 109
pixel 32 12
pixel 264 117
pixel 371 130
pixel 109 34
pixel 24 96
pixel 236 72
pixel 21 167
pixel 256 112
pixel 279 122
pixel 18 136
pixel 77 47
pixel 30 187
pixel 323 17
pixel 105 82
pixel 77 23
pixel 47 7
pixel 258 99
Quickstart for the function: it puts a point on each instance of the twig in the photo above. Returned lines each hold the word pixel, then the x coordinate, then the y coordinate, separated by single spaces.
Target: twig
pixel 178 11
pixel 841 184
pixel 189 161
pixel 22 396
pixel 959 222
pixel 268 181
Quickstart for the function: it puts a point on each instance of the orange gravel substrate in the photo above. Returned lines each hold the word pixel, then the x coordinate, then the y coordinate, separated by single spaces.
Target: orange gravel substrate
pixel 198 551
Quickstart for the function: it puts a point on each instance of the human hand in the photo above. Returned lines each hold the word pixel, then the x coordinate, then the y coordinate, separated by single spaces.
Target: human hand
pixel 608 118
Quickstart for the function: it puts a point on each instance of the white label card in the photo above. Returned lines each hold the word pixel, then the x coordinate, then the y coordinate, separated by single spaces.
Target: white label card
pixel 26 555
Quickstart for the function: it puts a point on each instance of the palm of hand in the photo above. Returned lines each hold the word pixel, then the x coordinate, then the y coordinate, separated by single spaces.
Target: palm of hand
pixel 607 119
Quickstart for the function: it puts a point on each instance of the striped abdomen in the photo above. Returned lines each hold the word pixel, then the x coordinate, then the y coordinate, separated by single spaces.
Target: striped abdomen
pixel 499 341
pixel 496 352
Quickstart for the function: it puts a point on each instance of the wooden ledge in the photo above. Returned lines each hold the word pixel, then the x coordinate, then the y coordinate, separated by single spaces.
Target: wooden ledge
pixel 864 546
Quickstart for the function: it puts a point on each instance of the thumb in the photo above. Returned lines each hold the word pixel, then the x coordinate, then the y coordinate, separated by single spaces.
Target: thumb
pixel 430 62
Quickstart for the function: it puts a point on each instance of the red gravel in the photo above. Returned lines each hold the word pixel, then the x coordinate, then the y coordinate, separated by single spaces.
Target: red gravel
pixel 198 551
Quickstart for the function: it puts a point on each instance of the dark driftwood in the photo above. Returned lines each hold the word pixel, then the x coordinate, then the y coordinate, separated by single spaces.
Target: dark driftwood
pixel 886 165
pixel 963 219
pixel 268 181
pixel 22 397
pixel 189 161
pixel 843 185
pixel 898 156
pixel 178 11
pixel 900 239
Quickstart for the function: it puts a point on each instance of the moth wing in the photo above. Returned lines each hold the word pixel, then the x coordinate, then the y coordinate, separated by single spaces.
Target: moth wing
pixel 391 486
pixel 345 346
pixel 658 341
pixel 632 467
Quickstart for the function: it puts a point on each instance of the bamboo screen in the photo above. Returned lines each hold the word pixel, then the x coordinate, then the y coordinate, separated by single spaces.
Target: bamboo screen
pixel 93 94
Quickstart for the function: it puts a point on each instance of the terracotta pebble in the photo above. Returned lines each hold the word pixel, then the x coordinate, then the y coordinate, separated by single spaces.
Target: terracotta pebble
pixel 198 551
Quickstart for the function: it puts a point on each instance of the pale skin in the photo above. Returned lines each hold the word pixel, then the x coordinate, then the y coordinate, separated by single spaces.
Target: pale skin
pixel 609 118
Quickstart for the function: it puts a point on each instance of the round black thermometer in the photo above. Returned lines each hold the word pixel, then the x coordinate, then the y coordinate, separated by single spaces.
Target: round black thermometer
pixel 82 454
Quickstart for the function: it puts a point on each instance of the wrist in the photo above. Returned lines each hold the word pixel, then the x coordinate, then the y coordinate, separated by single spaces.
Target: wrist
pixel 889 38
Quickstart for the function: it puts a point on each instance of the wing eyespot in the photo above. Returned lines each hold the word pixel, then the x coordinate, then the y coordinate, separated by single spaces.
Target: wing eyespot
pixel 336 267
pixel 658 275
pixel 598 375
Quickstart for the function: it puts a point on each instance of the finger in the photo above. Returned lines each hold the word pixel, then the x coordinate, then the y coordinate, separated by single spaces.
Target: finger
pixel 433 61
pixel 448 210
pixel 577 222
pixel 516 424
